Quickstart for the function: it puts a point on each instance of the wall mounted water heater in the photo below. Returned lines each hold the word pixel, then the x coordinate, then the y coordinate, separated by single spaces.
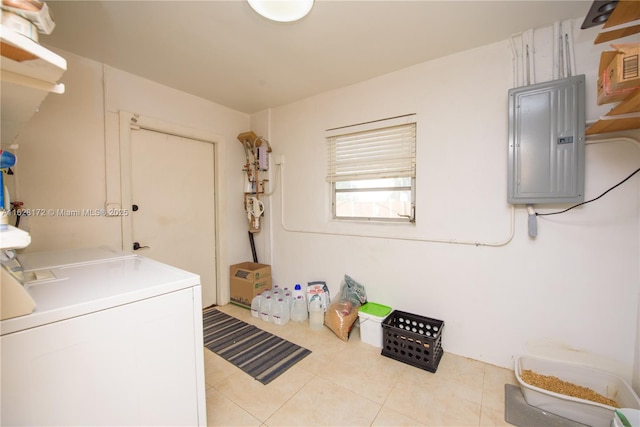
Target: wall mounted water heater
pixel 546 142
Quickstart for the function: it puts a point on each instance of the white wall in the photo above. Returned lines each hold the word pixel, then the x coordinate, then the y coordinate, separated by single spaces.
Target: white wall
pixel 62 162
pixel 570 293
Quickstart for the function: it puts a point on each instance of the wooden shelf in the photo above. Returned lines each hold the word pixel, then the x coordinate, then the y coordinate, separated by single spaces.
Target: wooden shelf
pixel 29 73
pixel 22 55
pixel 622 117
pixel 625 12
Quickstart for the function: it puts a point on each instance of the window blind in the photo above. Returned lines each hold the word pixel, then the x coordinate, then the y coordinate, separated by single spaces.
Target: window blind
pixel 385 152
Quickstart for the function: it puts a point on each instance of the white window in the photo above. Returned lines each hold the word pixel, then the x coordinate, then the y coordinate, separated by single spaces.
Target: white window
pixel 372 170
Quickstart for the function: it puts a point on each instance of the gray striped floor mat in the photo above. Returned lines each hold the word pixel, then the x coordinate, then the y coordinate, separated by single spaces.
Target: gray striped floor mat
pixel 260 354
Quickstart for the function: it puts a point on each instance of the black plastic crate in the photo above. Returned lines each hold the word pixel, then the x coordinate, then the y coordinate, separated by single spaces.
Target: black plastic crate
pixel 413 339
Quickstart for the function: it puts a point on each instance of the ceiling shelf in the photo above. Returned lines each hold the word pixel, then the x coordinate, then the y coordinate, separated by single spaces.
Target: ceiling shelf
pixel 29 72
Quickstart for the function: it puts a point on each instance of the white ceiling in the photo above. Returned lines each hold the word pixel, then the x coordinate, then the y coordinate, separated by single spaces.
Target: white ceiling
pixel 223 51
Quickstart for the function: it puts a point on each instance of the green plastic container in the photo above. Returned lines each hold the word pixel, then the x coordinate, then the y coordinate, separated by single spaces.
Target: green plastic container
pixel 371 316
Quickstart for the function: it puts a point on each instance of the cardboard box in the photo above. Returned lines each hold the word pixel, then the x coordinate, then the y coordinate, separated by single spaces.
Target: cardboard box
pixel 618 75
pixel 248 279
pixel 606 95
pixel 623 67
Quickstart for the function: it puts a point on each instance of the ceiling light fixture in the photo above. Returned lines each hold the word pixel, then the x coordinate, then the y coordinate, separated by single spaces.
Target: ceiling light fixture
pixel 282 10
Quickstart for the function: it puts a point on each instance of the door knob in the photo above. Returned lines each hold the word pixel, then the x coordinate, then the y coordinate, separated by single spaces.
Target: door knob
pixel 136 246
pixel 134 208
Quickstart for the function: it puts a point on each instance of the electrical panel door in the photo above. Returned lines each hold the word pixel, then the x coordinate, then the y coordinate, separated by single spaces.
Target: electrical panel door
pixel 546 142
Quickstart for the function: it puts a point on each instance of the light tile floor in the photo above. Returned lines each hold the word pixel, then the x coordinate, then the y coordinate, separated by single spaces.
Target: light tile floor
pixel 351 384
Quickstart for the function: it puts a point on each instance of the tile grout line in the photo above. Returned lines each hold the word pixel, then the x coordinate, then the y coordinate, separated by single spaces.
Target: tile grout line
pixel 484 380
pixel 395 384
pixel 264 422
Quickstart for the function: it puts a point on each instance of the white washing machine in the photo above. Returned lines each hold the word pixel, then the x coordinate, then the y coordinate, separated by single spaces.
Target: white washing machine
pixel 114 340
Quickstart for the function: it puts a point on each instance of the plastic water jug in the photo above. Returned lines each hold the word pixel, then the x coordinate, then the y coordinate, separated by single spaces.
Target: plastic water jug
pixel 281 312
pixel 299 310
pixel 297 291
pixel 316 315
pixel 266 308
pixel 255 306
pixel 289 300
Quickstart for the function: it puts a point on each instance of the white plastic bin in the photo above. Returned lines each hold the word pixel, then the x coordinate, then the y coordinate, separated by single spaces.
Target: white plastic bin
pixel 580 410
pixel 632 416
pixel 371 316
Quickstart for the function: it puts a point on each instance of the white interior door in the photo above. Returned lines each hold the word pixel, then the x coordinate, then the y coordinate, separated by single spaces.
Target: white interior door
pixel 173 212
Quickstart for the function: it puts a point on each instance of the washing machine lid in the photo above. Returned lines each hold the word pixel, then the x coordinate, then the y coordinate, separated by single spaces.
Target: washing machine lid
pixel 41 260
pixel 77 289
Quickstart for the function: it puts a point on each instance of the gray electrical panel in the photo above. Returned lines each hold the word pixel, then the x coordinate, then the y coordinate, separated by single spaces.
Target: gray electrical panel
pixel 546 142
